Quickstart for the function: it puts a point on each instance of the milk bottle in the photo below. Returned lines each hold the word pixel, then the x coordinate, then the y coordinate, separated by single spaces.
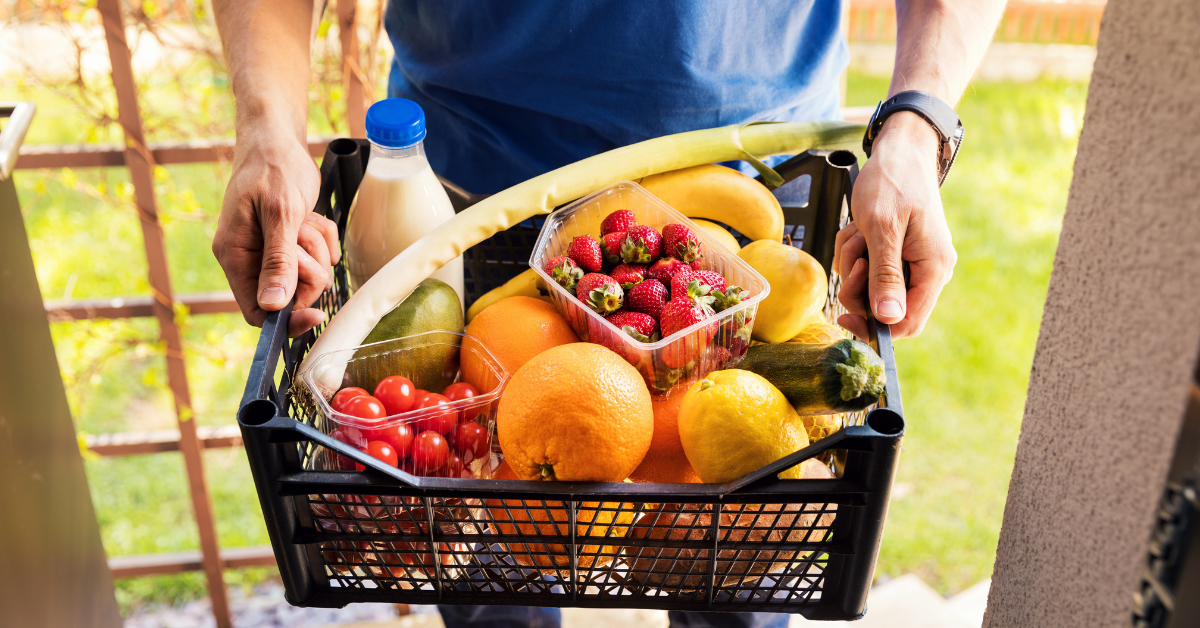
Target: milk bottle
pixel 399 199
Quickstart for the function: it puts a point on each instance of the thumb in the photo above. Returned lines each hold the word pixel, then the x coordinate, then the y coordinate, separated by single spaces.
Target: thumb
pixel 887 292
pixel 277 279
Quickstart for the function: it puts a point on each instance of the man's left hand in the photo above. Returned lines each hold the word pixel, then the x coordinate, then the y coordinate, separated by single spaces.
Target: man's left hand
pixel 898 217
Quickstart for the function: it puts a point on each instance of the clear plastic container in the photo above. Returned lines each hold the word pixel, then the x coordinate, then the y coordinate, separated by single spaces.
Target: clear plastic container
pixel 432 361
pixel 685 356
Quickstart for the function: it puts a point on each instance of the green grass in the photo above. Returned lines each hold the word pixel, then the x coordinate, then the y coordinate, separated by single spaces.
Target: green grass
pixel 964 379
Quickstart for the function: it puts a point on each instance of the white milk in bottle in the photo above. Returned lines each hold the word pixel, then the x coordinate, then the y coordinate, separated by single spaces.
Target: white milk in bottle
pixel 399 199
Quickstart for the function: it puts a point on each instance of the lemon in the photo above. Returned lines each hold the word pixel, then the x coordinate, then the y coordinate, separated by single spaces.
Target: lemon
pixel 820 332
pixel 799 289
pixel 733 422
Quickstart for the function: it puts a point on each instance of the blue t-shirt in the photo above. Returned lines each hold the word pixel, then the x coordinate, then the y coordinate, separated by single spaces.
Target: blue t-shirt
pixel 515 88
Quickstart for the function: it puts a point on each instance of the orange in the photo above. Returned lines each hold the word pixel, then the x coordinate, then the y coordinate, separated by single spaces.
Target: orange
pixel 513 330
pixel 665 461
pixel 550 518
pixel 575 413
pixel 666 468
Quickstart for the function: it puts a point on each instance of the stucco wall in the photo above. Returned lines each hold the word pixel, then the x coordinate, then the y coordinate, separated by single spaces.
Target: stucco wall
pixel 1119 337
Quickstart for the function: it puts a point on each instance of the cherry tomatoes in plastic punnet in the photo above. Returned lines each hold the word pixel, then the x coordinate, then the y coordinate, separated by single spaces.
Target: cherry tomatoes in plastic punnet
pixel 397 394
pixel 429 452
pixel 400 437
pixel 344 395
pixel 364 407
pixel 471 439
pixel 463 390
pixel 441 420
pixel 383 451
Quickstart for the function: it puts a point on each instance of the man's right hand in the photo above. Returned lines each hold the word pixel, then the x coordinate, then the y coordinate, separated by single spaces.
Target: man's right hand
pixel 268 241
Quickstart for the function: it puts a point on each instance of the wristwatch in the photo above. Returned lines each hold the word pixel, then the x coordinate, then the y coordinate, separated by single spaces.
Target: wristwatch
pixel 935 111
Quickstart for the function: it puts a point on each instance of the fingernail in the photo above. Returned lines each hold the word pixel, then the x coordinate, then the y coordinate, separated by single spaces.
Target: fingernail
pixel 311 217
pixel 271 296
pixel 889 308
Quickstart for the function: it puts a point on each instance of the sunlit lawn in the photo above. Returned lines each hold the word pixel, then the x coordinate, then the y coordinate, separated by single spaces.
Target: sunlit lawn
pixel 963 381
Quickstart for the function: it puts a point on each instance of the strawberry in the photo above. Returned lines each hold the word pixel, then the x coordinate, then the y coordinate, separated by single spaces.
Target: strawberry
pixel 585 250
pixel 618 222
pixel 679 314
pixel 648 297
pixel 642 245
pixel 641 327
pixel 729 297
pixel 600 292
pixel 707 279
pixel 610 245
pixel 664 269
pixel 679 241
pixel 629 275
pixel 564 271
pixel 695 265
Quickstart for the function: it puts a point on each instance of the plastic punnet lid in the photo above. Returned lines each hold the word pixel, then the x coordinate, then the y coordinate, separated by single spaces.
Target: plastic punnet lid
pixel 395 123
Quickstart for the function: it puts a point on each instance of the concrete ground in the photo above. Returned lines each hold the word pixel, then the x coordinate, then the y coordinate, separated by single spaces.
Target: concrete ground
pixel 904 602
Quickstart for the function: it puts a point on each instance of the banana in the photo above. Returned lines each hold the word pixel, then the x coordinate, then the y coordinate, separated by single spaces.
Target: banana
pixel 524 285
pixel 722 194
pixel 719 232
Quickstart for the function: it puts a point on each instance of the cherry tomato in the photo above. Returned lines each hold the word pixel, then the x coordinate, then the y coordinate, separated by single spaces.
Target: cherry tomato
pixel 344 395
pixel 364 407
pixel 472 440
pixel 354 440
pixel 396 393
pixel 408 467
pixel 440 421
pixel 454 466
pixel 383 451
pixel 463 390
pixel 400 437
pixel 429 452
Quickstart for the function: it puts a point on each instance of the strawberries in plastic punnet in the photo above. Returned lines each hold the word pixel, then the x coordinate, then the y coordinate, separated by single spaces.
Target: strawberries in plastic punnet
pixel 648 297
pixel 564 271
pixel 610 246
pixel 680 242
pixel 642 245
pixel 664 269
pixel 618 222
pixel 600 292
pixel 629 275
pixel 640 327
pixel 585 250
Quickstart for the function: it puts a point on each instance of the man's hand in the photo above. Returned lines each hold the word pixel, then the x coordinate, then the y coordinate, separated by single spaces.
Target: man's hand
pixel 898 217
pixel 267 238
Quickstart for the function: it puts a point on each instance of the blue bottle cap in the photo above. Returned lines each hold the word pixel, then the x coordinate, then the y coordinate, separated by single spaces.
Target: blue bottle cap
pixel 395 123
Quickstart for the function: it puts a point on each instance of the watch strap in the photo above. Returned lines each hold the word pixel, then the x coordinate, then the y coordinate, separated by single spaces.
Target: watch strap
pixel 933 110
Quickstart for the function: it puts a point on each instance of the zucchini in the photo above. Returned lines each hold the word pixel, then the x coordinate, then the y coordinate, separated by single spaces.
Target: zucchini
pixel 821 378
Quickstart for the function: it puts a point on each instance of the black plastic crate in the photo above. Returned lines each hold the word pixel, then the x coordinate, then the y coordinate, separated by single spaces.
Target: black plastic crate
pixel 793 546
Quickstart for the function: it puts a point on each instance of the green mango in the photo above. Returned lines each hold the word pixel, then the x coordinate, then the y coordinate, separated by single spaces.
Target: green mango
pixel 433 306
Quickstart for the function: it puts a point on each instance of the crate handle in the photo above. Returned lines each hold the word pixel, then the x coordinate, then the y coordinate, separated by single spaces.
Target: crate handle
pixel 881 424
